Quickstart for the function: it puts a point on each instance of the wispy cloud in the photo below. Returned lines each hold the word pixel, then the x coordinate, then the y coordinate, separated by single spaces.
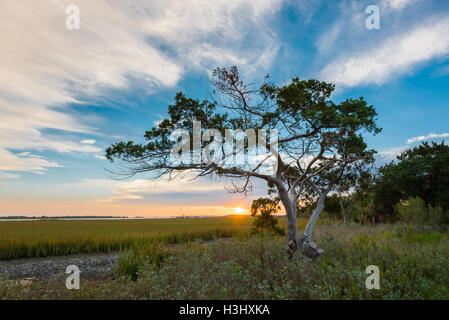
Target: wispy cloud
pixel 8 176
pixel 24 162
pixel 427 137
pixel 88 141
pixel 46 68
pixel 389 154
pixel 139 188
pixel 398 4
pixel 399 54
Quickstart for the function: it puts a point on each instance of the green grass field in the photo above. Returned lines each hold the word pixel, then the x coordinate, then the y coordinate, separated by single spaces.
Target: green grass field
pixel 412 264
pixel 25 239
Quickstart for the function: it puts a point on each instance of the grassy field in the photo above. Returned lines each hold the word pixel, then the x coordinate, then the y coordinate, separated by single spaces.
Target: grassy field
pixel 412 262
pixel 25 239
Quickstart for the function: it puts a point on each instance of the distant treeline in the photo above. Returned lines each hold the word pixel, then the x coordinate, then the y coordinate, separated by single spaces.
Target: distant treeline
pixel 60 217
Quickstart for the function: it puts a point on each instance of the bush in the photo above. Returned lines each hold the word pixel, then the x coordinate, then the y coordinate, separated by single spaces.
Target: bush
pixel 263 209
pixel 414 211
pixel 131 261
pixel 259 269
pixel 266 223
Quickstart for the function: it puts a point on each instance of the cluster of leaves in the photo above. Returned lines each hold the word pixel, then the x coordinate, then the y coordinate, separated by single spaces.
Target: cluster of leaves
pixel 264 209
pixel 415 212
pixel 421 171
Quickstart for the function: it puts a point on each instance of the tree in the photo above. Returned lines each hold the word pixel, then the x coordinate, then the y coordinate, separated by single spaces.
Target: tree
pixel 306 130
pixel 363 206
pixel 421 171
pixel 264 209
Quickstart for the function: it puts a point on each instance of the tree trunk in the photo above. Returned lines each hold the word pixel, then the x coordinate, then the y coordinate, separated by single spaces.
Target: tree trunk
pixel 303 243
pixel 292 228
pixel 343 212
pixel 308 247
pixel 315 215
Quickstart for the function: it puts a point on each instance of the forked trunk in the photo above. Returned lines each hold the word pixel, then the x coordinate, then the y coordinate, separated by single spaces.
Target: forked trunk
pixel 303 243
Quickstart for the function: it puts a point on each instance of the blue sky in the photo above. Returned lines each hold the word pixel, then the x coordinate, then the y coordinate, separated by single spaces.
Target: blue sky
pixel 66 95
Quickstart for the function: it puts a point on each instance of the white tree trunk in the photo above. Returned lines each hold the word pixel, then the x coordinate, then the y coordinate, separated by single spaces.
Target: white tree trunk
pixel 303 243
pixel 308 247
pixel 292 228
pixel 315 215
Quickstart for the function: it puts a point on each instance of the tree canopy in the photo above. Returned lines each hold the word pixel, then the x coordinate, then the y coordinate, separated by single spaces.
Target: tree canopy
pixel 422 171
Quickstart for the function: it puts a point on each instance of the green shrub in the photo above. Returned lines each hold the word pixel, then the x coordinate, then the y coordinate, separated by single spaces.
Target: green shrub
pixel 259 269
pixel 414 211
pixel 132 260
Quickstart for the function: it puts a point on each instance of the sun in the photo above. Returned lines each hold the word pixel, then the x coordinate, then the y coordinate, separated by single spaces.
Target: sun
pixel 239 210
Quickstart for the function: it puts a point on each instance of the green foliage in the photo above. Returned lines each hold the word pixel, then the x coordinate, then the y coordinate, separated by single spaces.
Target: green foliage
pixel 28 239
pixel 258 269
pixel 131 261
pixel 421 171
pixel 263 209
pixel 415 211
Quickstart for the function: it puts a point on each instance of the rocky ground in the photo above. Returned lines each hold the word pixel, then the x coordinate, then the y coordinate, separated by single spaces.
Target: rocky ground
pixel 91 266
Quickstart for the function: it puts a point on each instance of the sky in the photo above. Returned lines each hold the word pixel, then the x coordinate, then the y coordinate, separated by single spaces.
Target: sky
pixel 67 94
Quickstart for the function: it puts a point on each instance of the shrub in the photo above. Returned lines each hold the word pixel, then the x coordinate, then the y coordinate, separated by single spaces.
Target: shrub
pixel 259 269
pixel 414 211
pixel 263 209
pixel 131 261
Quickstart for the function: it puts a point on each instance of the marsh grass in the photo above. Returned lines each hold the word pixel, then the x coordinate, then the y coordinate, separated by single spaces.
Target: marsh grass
pixel 15 249
pixel 411 267
pixel 29 239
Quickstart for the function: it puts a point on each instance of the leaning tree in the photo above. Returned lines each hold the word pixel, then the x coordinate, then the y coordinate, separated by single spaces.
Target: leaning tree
pixel 326 177
pixel 308 136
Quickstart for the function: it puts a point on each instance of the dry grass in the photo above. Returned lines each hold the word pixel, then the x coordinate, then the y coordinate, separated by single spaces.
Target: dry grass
pixel 413 265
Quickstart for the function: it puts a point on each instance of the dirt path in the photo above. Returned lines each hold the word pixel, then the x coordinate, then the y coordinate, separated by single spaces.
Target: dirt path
pixel 90 265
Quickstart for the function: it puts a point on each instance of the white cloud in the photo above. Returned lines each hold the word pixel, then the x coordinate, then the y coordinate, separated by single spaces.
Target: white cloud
pixel 45 67
pixel 386 155
pixel 397 55
pixel 8 176
pixel 327 40
pixel 389 154
pixel 427 137
pixel 398 4
pixel 136 189
pixel 24 162
pixel 98 156
pixel 88 141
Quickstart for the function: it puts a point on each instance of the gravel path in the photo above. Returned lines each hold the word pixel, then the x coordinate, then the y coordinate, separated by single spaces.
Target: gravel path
pixel 90 265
